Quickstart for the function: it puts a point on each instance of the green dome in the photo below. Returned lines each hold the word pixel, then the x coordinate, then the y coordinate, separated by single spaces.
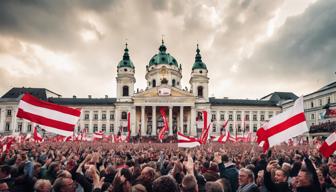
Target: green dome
pixel 198 61
pixel 162 57
pixel 126 61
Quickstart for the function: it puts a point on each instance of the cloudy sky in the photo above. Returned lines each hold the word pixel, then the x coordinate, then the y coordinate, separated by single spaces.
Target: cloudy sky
pixel 251 47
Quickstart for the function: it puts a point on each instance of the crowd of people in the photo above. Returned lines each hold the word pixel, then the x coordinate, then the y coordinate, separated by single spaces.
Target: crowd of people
pixel 151 167
pixel 327 127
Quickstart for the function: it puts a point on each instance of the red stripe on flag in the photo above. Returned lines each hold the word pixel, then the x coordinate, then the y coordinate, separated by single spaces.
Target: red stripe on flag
pixel 34 101
pixel 299 118
pixel 45 121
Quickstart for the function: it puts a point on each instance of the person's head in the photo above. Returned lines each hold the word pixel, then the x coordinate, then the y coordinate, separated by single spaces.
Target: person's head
pixel 64 174
pixel 226 185
pixel 64 185
pixel 304 178
pixel 71 164
pixel 280 176
pixel 148 173
pixel 213 187
pixel 260 178
pixel 245 176
pixel 126 174
pixel 165 184
pixel 286 167
pixel 189 184
pixel 225 158
pixel 320 176
pixel 42 185
pixel 138 188
pixel 4 187
pixel 5 171
pixel 297 158
pixel 54 167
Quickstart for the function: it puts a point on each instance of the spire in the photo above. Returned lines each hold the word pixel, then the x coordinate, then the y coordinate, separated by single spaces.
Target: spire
pixel 162 48
pixel 198 57
pixel 126 55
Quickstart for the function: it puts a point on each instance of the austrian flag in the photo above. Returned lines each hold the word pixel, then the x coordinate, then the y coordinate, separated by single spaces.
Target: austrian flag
pixel 51 117
pixel 329 145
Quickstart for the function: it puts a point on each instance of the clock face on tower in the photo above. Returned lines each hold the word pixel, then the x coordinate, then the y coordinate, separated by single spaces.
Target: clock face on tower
pixel 163 72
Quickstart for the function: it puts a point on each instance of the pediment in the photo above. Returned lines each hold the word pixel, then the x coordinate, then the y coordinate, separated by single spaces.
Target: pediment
pixel 164 92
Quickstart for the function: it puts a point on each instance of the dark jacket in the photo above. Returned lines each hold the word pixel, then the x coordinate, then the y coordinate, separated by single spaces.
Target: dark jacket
pixel 231 173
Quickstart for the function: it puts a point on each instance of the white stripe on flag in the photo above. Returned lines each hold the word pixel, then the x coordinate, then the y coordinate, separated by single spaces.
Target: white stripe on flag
pixel 57 131
pixel 331 139
pixel 48 113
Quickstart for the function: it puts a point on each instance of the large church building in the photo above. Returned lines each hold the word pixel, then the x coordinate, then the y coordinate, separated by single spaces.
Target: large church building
pixel 163 90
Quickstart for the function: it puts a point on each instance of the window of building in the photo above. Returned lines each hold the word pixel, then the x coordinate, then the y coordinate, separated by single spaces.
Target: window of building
pixel 239 128
pixel 238 117
pixel 125 91
pixel 320 101
pixel 200 91
pixel 262 117
pixel 95 127
pixel 312 104
pixel 270 115
pixel 199 116
pixel 214 128
pixel 86 126
pixel 213 117
pixel 123 115
pixel 154 82
pixel 222 117
pixel 173 82
pixel 9 113
pixel 254 117
pixel 328 100
pixel 86 116
pixel 230 128
pixel 247 117
pixel 104 128
pixel 95 116
pixel 19 127
pixel 103 116
pixel 7 127
pixel 312 116
pixel 230 117
pixel 255 127
pixel 112 128
pixel 29 128
pixel 111 115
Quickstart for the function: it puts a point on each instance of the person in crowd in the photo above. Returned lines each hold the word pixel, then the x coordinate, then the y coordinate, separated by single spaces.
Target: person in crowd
pixel 246 181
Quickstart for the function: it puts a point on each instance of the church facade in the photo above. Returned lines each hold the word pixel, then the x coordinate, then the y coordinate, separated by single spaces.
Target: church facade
pixel 183 106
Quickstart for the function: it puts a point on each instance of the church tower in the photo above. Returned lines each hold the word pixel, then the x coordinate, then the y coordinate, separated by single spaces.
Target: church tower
pixel 125 78
pixel 199 81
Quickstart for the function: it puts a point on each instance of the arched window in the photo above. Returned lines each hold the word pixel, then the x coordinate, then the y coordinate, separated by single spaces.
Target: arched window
pixel 154 83
pixel 125 91
pixel 173 82
pixel 200 91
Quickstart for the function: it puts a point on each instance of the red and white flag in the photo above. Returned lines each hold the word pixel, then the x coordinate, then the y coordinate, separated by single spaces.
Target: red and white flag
pixel 329 145
pixel 205 129
pixel 51 117
pixel 128 127
pixel 37 137
pixel 283 126
pixel 187 142
pixel 165 124
pixel 98 135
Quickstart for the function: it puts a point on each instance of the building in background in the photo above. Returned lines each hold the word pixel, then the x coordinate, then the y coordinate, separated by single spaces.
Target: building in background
pixel 183 106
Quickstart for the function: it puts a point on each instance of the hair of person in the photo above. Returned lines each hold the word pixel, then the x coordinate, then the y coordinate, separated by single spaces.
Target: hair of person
pixel 58 183
pixel 225 184
pixel 5 169
pixel 248 172
pixel 309 174
pixel 189 184
pixel 213 186
pixel 165 184
pixel 41 183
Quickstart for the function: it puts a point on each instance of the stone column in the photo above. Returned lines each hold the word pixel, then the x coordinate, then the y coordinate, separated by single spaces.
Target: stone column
pixel 143 129
pixel 116 121
pixel 154 121
pixel 133 121
pixel 234 124
pixel 242 120
pixel 181 119
pixel 258 119
pixel 170 120
pixel 218 127
pixel 193 131
pixel 2 119
pixel 250 122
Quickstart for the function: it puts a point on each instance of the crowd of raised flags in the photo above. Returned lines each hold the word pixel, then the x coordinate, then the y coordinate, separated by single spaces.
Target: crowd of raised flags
pixel 62 120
